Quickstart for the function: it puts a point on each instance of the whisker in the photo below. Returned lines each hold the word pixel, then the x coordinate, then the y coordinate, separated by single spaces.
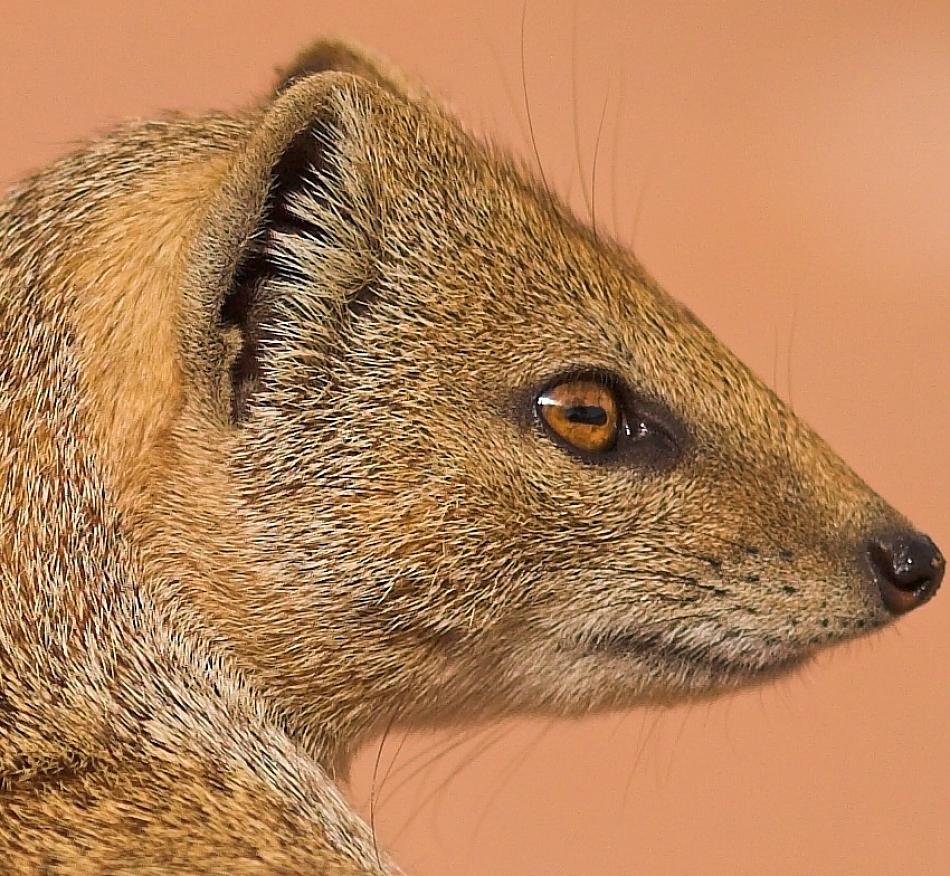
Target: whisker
pixel 527 104
pixel 578 151
pixel 593 172
pixel 775 362
pixel 641 748
pixel 788 358
pixel 479 750
pixel 441 748
pixel 676 741
pixel 373 789
pixel 614 151
pixel 505 84
pixel 392 760
pixel 512 767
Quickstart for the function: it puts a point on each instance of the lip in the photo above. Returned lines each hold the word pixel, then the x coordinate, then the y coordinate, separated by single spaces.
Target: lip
pixel 626 643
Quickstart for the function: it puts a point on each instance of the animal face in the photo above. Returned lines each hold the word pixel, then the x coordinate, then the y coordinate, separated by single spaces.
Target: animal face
pixel 468 458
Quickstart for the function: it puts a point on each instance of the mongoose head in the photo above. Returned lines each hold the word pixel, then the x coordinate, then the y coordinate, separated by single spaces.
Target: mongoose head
pixel 434 448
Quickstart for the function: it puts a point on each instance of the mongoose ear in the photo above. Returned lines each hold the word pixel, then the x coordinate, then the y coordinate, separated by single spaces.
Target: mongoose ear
pixel 332 55
pixel 288 232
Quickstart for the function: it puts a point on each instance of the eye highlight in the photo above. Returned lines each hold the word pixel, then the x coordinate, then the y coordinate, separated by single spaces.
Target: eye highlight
pixel 583 413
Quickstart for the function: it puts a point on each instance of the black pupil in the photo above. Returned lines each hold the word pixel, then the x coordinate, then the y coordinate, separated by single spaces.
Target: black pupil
pixel 589 415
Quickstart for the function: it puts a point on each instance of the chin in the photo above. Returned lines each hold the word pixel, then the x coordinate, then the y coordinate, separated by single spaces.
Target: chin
pixel 689 679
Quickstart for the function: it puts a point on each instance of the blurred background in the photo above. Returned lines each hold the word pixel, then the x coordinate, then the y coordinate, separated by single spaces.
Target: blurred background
pixel 784 169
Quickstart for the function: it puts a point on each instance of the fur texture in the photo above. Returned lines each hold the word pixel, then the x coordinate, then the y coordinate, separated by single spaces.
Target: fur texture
pixel 272 479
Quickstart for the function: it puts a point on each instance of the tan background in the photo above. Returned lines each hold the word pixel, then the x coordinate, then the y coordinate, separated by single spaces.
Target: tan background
pixel 785 169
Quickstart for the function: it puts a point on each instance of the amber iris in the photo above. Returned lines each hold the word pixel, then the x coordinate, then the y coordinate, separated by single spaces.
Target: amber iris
pixel 583 413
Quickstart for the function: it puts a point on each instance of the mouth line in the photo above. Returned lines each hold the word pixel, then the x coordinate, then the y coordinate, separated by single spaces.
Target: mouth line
pixel 631 644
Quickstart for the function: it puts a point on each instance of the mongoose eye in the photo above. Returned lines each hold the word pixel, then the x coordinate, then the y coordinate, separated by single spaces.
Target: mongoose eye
pixel 583 413
pixel 595 416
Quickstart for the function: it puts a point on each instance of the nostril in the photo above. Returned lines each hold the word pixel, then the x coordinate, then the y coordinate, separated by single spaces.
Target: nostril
pixel 908 567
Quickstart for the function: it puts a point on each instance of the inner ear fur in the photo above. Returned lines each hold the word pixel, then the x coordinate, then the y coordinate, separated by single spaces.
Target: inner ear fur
pixel 301 134
pixel 321 98
pixel 310 161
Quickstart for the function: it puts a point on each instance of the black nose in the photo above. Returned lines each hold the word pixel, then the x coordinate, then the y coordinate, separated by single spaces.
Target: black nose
pixel 908 567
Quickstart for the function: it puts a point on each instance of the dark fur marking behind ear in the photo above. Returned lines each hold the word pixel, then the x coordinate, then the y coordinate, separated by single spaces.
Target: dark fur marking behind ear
pixel 362 300
pixel 331 55
pixel 237 304
pixel 318 58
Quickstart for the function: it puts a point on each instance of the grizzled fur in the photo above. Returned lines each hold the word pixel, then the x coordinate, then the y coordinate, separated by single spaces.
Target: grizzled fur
pixel 271 480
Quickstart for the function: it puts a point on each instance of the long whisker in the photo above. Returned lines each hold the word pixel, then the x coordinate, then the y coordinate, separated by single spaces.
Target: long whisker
pixel 676 740
pixel 479 750
pixel 788 358
pixel 373 788
pixel 392 761
pixel 614 151
pixel 428 758
pixel 527 104
pixel 512 767
pixel 593 171
pixel 641 748
pixel 506 85
pixel 578 151
pixel 775 362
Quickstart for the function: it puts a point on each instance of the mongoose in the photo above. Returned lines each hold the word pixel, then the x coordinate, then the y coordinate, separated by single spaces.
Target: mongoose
pixel 325 417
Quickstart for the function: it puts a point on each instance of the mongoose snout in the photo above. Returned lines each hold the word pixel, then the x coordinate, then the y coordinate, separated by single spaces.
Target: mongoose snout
pixel 908 568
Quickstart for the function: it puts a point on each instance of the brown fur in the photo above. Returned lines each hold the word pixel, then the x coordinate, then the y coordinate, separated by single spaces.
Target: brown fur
pixel 271 483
